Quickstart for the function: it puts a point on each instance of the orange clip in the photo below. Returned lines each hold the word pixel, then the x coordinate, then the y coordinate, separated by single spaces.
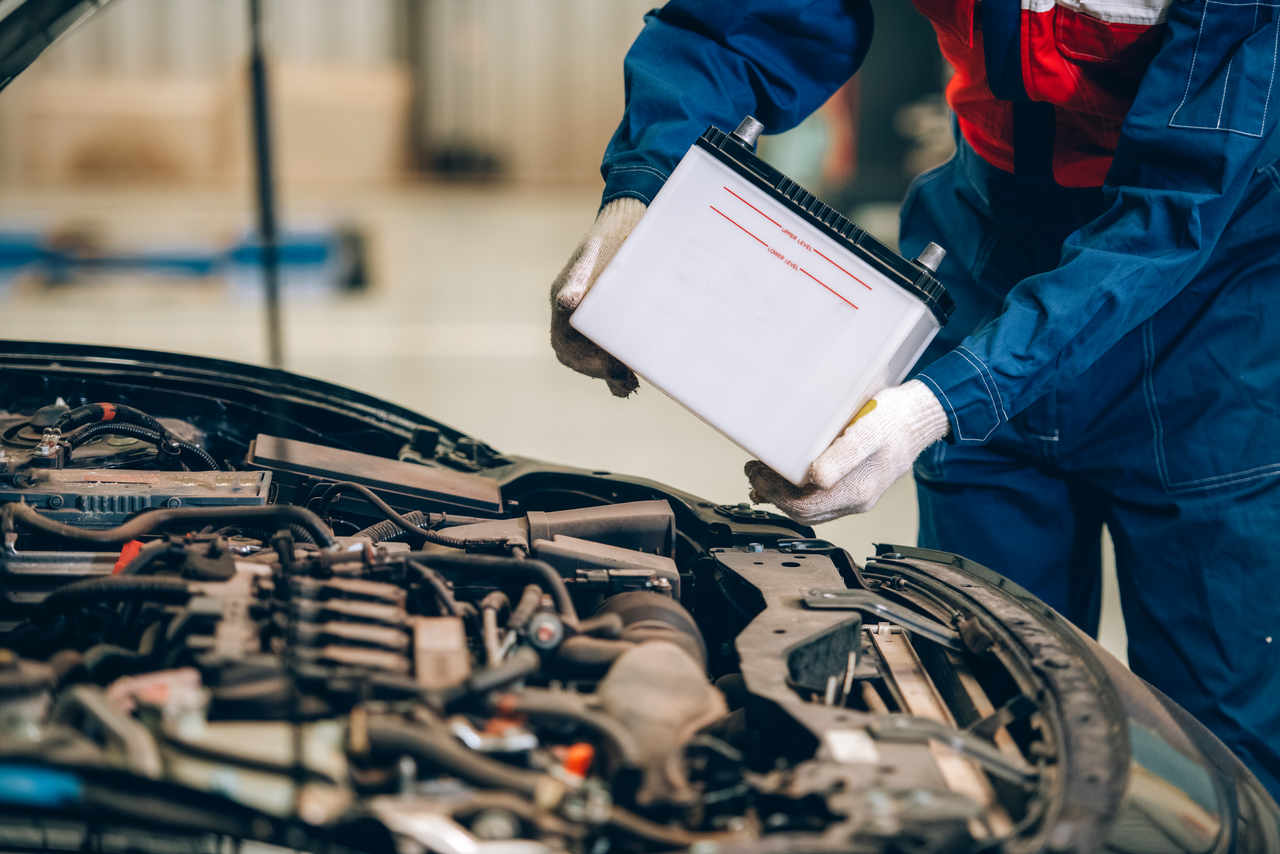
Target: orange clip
pixel 127 554
pixel 578 758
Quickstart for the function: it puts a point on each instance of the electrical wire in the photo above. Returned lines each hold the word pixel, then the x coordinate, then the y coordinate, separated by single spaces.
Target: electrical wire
pixel 387 530
pixel 426 534
pixel 166 442
pixel 116 588
pixel 150 521
pixel 543 573
pixel 438 586
pixel 94 413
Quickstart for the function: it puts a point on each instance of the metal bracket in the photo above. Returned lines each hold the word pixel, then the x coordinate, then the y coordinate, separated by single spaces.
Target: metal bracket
pixel 887 610
pixel 908 728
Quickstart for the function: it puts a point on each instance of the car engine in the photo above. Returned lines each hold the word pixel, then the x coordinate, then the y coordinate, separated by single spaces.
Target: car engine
pixel 213 635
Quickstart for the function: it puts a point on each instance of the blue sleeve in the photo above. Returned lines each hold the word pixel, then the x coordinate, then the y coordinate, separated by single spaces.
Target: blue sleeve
pixel 703 62
pixel 1202 124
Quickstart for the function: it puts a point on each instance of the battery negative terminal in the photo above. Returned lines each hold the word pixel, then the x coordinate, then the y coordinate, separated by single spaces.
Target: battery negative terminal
pixel 748 131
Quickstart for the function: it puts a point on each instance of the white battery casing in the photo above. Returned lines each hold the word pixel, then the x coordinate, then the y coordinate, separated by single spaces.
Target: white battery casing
pixel 768 329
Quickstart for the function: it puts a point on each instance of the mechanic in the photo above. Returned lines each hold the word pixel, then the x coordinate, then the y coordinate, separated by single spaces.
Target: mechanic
pixel 1112 225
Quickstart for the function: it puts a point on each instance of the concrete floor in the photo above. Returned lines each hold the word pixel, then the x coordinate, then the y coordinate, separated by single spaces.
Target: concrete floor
pixel 454 326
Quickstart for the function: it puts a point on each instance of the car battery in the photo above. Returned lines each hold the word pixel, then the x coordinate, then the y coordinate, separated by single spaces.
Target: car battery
pixel 764 311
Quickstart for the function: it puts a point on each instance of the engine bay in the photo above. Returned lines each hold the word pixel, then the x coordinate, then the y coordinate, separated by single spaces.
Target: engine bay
pixel 227 621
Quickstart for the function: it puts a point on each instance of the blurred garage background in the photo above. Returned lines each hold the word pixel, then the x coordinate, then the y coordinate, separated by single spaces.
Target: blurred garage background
pixel 436 161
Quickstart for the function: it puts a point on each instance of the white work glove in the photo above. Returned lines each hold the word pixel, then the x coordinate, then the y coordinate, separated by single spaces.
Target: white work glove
pixel 876 449
pixel 614 222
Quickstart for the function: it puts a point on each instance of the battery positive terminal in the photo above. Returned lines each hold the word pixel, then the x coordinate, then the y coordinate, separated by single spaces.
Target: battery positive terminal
pixel 931 257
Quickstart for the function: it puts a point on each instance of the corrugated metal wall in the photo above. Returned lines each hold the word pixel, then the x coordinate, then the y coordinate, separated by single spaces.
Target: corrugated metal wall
pixel 536 82
pixel 197 37
pixel 539 81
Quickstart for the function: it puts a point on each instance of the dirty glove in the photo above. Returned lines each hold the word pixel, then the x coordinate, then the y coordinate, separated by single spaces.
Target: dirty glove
pixel 614 222
pixel 876 449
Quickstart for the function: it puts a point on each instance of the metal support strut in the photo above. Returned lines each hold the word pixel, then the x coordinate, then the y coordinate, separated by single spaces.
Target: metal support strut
pixel 266 186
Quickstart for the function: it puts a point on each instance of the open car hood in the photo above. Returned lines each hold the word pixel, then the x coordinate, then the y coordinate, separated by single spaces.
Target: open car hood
pixel 28 27
pixel 240 604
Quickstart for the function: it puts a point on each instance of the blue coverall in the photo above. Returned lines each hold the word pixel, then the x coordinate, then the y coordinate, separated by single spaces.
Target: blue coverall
pixel 1115 355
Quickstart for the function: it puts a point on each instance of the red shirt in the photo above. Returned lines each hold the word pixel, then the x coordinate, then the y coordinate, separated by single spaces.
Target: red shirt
pixel 1084 57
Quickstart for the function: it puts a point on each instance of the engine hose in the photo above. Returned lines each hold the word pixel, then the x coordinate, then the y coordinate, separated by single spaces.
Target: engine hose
pixel 161 440
pixel 602 626
pixel 117 588
pixel 591 653
pixel 569 706
pixel 93 413
pixel 530 600
pixel 428 535
pixel 301 534
pixel 143 560
pixel 390 737
pixel 665 834
pixel 387 530
pixel 438 586
pixel 522 663
pixel 393 737
pixel 150 521
pixel 544 573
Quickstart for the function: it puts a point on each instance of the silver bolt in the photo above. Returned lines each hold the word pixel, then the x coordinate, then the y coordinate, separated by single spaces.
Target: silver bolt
pixel 658 584
pixel 749 130
pixel 931 257
pixel 495 824
pixel 407 772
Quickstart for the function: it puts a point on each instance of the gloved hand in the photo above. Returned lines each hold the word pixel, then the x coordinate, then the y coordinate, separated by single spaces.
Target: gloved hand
pixel 614 222
pixel 876 449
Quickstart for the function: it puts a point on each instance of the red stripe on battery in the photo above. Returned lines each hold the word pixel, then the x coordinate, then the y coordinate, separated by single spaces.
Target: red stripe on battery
pixel 749 233
pixel 753 207
pixel 815 249
pixel 824 284
pixel 735 222
pixel 843 270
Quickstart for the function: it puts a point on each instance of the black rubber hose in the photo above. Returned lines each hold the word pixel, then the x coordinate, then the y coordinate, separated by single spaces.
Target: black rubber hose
pixel 426 534
pixel 117 588
pixel 92 413
pixel 567 706
pixel 151 521
pixel 390 737
pixel 112 428
pixel 301 534
pixel 663 834
pixel 522 663
pixel 438 586
pixel 387 529
pixel 602 626
pixel 544 573
pixel 591 653
pixel 161 440
pixel 143 560
pixel 530 599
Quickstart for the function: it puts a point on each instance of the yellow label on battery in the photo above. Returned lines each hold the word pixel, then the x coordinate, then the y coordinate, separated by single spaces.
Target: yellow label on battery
pixel 866 407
